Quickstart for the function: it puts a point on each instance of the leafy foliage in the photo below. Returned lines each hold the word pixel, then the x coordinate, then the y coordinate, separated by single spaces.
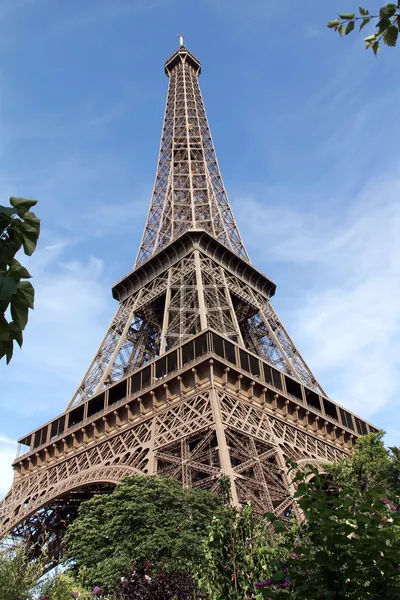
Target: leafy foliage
pixel 239 550
pixel 348 547
pixel 145 518
pixel 387 24
pixel 62 586
pixel 19 228
pixel 371 469
pixel 17 574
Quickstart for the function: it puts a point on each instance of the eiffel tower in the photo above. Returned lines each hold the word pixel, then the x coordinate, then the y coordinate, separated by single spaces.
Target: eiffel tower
pixel 196 376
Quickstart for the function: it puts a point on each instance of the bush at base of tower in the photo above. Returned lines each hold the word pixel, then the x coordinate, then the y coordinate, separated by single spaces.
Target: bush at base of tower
pixel 145 518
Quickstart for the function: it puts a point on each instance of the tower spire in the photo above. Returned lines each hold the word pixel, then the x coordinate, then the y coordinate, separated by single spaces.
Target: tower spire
pixel 188 190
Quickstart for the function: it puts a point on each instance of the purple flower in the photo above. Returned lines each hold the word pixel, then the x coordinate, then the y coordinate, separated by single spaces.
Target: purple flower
pixel 74 595
pixel 388 503
pixel 45 598
pixel 266 583
pixel 285 584
pixel 294 555
pixel 96 591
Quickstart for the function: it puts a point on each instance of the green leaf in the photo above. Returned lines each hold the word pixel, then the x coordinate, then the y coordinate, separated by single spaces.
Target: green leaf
pixel 279 576
pixel 349 28
pixel 4 329
pixel 271 516
pixel 19 313
pixel 22 204
pixel 17 271
pixel 370 38
pixel 363 11
pixel 31 219
pixel 375 47
pixel 9 248
pixel 341 30
pixel 8 286
pixel 6 349
pixel 387 11
pixel 26 293
pixel 390 36
pixel 364 23
pixel 16 333
pixel 279 526
pixel 347 16
pixel 383 24
pixel 6 210
pixel 301 490
pixel 29 241
pixel 333 24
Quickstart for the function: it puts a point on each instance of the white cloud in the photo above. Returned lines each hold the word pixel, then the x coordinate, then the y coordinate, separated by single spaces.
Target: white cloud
pixel 4 439
pixel 72 309
pixel 346 319
pixel 7 455
pixel 8 448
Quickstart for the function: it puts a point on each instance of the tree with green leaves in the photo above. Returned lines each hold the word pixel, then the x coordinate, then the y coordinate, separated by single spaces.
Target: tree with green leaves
pixel 19 229
pixel 387 25
pixel 18 575
pixel 371 469
pixel 61 586
pixel 145 519
pixel 344 550
pixel 348 547
pixel 238 551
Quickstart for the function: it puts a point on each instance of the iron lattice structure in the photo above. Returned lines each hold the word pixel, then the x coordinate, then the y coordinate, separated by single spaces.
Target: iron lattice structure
pixel 196 376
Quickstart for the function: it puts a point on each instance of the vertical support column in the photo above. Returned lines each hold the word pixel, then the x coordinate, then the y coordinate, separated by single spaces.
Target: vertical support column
pixel 298 513
pixel 152 461
pixel 121 340
pixel 163 344
pixel 229 300
pixel 186 71
pixel 226 466
pixel 200 291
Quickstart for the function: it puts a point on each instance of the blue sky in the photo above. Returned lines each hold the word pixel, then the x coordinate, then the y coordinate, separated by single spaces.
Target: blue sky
pixel 306 130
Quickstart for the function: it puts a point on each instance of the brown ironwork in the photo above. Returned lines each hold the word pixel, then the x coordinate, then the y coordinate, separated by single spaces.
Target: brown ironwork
pixel 196 376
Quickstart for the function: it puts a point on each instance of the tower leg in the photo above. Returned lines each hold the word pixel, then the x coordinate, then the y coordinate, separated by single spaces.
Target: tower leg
pixel 226 465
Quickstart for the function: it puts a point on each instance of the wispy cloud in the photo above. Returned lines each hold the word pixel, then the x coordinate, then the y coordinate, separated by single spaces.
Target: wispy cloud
pixel 6 440
pixel 345 312
pixel 7 455
pixel 72 309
